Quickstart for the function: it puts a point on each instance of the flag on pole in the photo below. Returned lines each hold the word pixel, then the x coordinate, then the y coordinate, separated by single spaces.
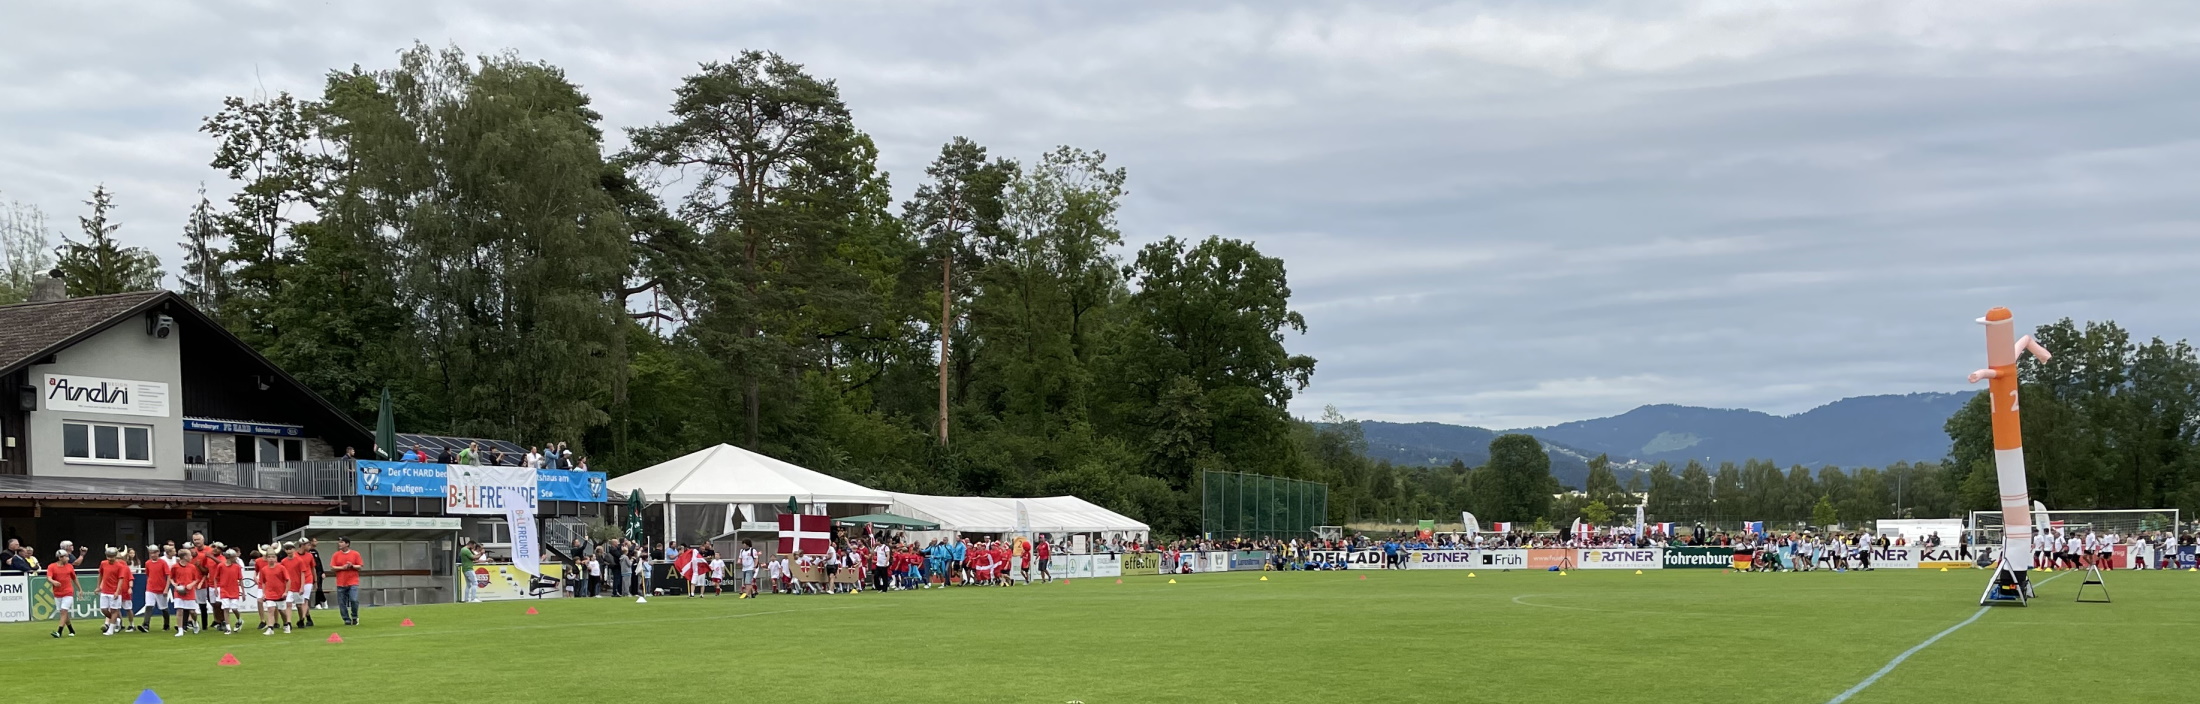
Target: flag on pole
pixel 1584 531
pixel 809 535
pixel 1501 526
pixel 1468 525
pixel 1757 527
pixel 1664 529
pixel 1638 519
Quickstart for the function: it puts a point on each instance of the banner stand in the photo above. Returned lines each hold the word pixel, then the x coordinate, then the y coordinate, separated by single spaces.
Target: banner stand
pixel 2093 579
pixel 2003 576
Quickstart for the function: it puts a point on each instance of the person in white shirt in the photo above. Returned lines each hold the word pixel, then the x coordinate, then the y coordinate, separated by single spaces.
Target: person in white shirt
pixel 748 558
pixel 718 576
pixel 881 558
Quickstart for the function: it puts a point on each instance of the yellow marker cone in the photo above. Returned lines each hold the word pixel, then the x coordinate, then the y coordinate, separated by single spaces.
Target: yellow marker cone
pixel 1264 578
pixel 2044 570
pixel 1943 569
pixel 1470 574
pixel 1561 573
pixel 1638 571
pixel 2192 569
pixel 1172 581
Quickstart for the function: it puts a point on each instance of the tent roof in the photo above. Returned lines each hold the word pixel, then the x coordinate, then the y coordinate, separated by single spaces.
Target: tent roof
pixel 887 519
pixel 985 514
pixel 724 474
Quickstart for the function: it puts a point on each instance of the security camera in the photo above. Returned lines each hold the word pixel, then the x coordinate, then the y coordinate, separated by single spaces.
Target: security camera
pixel 159 325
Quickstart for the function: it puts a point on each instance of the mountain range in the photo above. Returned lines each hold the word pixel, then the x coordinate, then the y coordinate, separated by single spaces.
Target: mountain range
pixel 1863 431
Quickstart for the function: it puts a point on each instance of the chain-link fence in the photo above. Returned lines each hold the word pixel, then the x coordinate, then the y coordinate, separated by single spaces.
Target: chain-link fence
pixel 1234 505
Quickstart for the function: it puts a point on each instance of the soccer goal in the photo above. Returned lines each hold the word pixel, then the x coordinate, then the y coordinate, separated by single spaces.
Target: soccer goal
pixel 1329 532
pixel 1985 526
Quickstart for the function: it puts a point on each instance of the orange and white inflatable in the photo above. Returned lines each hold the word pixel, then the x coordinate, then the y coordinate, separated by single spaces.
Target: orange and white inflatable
pixel 2002 350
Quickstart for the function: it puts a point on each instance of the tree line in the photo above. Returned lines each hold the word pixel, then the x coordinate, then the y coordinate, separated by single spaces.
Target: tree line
pixel 453 228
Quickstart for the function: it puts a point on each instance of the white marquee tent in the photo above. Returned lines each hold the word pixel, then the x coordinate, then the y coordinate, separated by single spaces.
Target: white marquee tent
pixel 709 487
pixel 1049 514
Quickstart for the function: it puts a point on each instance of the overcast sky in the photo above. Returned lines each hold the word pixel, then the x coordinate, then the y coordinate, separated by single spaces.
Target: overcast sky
pixel 1501 214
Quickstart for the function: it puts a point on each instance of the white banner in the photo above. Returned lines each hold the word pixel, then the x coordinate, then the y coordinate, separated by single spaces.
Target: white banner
pixel 88 394
pixel 1353 560
pixel 1505 559
pixel 1620 559
pixel 1107 565
pixel 1445 560
pixel 526 545
pixel 478 490
pixel 15 599
pixel 1895 557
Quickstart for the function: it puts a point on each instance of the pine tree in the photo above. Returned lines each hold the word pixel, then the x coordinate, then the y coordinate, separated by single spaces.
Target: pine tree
pixel 98 264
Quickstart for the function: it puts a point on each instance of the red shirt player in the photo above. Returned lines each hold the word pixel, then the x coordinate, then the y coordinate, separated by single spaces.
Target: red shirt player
pixel 63 578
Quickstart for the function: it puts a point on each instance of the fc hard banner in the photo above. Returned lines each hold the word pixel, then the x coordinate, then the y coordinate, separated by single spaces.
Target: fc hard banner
pixel 1620 559
pixel 414 479
pixel 1698 558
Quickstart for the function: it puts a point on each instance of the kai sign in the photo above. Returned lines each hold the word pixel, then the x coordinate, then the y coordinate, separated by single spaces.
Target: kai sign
pixel 85 394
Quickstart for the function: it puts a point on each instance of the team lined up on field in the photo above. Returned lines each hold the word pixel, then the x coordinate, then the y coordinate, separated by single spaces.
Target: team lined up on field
pixel 200 586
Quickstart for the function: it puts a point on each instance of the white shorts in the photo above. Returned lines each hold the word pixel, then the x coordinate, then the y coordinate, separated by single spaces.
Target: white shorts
pixel 294 598
pixel 156 600
pixel 113 601
pixel 62 604
pixel 187 604
pixel 231 604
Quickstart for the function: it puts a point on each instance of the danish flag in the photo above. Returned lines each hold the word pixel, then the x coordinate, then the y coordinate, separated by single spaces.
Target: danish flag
pixel 809 535
pixel 1501 527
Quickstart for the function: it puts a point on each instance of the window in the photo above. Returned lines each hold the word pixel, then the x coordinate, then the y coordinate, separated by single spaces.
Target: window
pixel 194 448
pixel 244 449
pixel 103 443
pixel 271 451
pixel 491 531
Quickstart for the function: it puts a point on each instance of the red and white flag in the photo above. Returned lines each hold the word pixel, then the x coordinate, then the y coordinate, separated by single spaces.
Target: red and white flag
pixel 809 535
pixel 1584 531
pixel 689 563
pixel 1501 527
pixel 1665 529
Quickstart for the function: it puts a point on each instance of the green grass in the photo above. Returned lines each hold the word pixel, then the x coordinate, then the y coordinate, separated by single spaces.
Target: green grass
pixel 1427 636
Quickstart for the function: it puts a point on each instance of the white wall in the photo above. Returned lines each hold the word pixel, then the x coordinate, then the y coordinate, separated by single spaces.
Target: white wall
pixel 123 351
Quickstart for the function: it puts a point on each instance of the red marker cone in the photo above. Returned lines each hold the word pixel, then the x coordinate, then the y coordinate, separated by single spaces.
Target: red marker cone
pixel 228 660
pixel 1065 580
pixel 407 623
pixel 530 611
pixel 1118 581
pixel 333 638
pixel 1363 578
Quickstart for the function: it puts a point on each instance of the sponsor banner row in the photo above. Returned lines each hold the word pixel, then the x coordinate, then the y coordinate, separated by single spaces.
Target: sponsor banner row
pixel 472 489
pixel 1144 563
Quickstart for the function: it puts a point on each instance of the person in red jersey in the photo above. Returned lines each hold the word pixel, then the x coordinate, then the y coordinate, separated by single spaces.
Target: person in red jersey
pixel 157 567
pixel 62 575
pixel 1046 555
pixel 183 580
pixel 229 586
pixel 346 563
pixel 114 579
pixel 274 590
pixel 209 559
pixel 300 576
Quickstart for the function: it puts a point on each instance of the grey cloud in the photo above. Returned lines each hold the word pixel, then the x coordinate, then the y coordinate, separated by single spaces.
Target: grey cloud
pixel 1505 214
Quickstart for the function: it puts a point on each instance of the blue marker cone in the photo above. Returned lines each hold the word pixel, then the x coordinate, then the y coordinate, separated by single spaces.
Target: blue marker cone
pixel 147 697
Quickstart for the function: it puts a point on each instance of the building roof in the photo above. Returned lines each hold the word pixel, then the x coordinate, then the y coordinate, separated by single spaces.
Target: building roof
pixel 21 488
pixel 30 332
pixel 35 330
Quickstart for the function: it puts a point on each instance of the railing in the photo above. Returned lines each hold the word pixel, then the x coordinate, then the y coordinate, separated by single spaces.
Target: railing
pixel 310 478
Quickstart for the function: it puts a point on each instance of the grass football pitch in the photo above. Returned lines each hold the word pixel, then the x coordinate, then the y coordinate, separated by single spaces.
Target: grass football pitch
pixel 1414 636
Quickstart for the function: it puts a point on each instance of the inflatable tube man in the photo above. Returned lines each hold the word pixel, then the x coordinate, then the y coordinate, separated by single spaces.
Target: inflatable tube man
pixel 2002 350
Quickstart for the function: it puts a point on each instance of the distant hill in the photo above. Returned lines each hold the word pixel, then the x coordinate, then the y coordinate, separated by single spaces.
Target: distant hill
pixel 1865 431
pixel 1437 444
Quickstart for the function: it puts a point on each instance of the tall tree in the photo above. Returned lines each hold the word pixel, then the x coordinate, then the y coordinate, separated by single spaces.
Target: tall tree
pixel 26 250
pixel 202 276
pixel 271 149
pixel 959 207
pixel 1517 481
pixel 781 179
pixel 98 264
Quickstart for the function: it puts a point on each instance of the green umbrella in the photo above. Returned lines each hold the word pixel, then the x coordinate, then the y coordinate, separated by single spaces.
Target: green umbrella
pixel 385 429
pixel 634 516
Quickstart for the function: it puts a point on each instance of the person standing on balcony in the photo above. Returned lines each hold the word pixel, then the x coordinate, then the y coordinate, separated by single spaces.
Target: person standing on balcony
pixel 470 455
pixel 534 458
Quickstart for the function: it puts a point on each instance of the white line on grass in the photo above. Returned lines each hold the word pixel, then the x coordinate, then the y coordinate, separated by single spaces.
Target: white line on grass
pixel 1868 681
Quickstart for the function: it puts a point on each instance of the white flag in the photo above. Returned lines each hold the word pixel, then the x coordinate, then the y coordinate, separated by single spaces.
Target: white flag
pixel 1468 525
pixel 526 546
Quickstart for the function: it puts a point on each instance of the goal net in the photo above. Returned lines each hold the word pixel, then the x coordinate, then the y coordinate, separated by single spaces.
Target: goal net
pixel 1986 525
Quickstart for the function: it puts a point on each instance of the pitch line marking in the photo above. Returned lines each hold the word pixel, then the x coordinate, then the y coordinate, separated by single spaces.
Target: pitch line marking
pixel 1889 667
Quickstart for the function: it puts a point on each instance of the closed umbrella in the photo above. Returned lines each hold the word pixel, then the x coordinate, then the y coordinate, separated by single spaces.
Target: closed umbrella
pixel 634 516
pixel 385 429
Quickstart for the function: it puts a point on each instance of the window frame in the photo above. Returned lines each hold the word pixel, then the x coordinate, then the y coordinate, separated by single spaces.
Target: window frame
pixel 122 444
